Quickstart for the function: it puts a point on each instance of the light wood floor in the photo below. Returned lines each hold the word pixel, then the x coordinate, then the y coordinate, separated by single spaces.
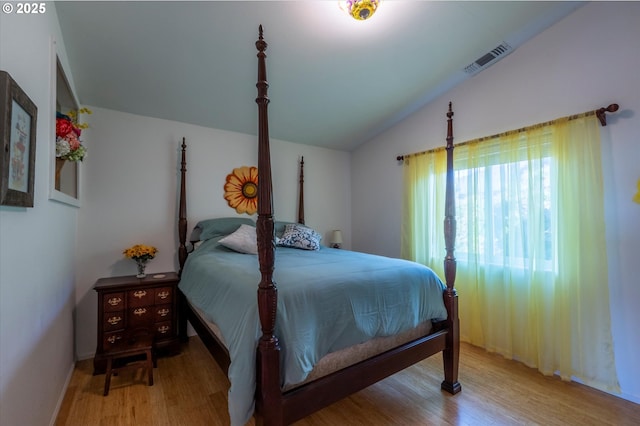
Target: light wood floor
pixel 191 390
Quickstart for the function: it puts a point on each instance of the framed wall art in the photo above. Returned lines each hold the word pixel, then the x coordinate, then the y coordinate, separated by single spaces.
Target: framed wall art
pixel 18 115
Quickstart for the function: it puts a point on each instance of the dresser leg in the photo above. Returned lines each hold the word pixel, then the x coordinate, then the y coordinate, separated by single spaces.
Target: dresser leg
pixel 150 366
pixel 107 378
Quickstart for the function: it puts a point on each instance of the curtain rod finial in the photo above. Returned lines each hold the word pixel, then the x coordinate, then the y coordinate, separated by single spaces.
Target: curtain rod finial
pixel 600 113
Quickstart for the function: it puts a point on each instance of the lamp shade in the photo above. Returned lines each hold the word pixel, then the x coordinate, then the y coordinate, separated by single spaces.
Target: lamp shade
pixel 336 237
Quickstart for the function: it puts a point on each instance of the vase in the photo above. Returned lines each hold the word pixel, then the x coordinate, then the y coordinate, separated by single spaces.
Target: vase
pixel 59 164
pixel 141 265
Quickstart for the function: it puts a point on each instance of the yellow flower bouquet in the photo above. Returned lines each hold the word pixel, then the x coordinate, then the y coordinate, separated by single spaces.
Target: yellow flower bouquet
pixel 141 254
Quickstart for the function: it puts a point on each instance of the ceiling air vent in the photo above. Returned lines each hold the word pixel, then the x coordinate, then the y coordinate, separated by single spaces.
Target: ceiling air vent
pixel 494 56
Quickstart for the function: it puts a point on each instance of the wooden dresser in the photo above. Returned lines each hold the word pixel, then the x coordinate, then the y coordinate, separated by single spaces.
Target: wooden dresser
pixel 130 307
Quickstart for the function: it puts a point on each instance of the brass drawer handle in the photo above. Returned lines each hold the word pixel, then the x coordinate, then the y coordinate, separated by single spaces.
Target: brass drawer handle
pixel 112 339
pixel 114 301
pixel 114 320
pixel 140 311
pixel 163 312
pixel 164 294
pixel 163 329
pixel 140 294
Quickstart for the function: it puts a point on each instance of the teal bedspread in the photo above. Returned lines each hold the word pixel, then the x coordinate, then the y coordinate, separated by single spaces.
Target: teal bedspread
pixel 327 300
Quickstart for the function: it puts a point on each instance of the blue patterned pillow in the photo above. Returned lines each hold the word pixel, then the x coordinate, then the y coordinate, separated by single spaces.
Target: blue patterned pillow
pixel 301 237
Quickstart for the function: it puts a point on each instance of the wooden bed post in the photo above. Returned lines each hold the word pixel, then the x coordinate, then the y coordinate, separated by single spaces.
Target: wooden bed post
pixel 451 354
pixel 301 194
pixel 268 395
pixel 182 212
pixel 182 248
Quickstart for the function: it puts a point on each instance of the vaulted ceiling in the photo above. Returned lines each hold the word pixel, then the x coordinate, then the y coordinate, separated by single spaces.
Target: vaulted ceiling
pixel 334 82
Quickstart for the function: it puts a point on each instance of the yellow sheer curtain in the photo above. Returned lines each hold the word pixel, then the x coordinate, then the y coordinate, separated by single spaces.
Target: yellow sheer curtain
pixel 422 238
pixel 532 264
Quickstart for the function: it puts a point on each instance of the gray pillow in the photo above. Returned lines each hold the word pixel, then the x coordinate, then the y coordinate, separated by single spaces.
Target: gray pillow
pixel 209 228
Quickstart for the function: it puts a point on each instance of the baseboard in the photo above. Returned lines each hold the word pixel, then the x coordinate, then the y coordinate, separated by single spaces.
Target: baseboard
pixel 82 357
pixel 628 397
pixel 623 395
pixel 62 394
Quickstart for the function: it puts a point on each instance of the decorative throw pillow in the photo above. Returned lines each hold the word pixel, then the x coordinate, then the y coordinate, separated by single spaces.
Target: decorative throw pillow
pixel 301 237
pixel 280 225
pixel 243 240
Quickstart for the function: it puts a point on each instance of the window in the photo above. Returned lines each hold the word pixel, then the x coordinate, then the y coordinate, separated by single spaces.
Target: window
pixel 503 211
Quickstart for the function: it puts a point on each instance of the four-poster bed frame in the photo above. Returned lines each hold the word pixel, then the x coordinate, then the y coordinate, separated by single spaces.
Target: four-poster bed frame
pixel 273 405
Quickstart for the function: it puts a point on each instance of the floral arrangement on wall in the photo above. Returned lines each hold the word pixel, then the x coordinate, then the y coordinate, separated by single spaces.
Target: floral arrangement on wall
pixel 68 130
pixel 241 189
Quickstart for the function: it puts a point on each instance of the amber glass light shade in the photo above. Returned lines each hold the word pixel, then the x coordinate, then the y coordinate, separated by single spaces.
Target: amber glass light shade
pixel 360 9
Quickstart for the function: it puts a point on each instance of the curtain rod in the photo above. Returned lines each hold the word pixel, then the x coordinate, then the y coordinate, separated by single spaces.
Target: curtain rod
pixel 600 113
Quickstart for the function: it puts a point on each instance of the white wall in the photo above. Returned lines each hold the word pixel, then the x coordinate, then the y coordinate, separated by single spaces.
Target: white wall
pixel 37 246
pixel 130 194
pixel 588 60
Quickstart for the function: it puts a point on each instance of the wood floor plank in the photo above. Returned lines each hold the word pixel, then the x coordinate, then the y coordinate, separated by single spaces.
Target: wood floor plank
pixel 191 390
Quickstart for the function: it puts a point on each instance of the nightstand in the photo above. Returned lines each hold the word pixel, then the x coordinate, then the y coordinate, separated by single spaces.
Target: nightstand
pixel 130 306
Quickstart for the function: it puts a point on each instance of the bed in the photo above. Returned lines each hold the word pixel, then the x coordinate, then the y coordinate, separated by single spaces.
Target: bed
pixel 336 322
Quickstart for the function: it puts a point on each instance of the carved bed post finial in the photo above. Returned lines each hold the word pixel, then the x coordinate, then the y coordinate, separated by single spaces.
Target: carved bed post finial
pixel 261 45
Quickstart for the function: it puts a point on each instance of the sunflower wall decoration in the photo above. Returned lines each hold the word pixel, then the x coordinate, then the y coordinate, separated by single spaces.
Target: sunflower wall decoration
pixel 241 189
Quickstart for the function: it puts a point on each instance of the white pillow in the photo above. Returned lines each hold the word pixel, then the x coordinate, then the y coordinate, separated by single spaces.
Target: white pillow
pixel 243 240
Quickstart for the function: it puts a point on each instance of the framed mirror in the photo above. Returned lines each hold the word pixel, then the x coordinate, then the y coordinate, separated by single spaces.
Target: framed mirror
pixel 65 173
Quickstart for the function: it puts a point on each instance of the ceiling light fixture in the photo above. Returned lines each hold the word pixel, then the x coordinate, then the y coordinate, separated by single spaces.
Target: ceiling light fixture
pixel 360 9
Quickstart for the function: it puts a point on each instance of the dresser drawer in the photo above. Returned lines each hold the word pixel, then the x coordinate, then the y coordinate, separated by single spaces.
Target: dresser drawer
pixel 162 313
pixel 113 321
pixel 163 329
pixel 111 339
pixel 140 297
pixel 163 295
pixel 113 302
pixel 142 316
